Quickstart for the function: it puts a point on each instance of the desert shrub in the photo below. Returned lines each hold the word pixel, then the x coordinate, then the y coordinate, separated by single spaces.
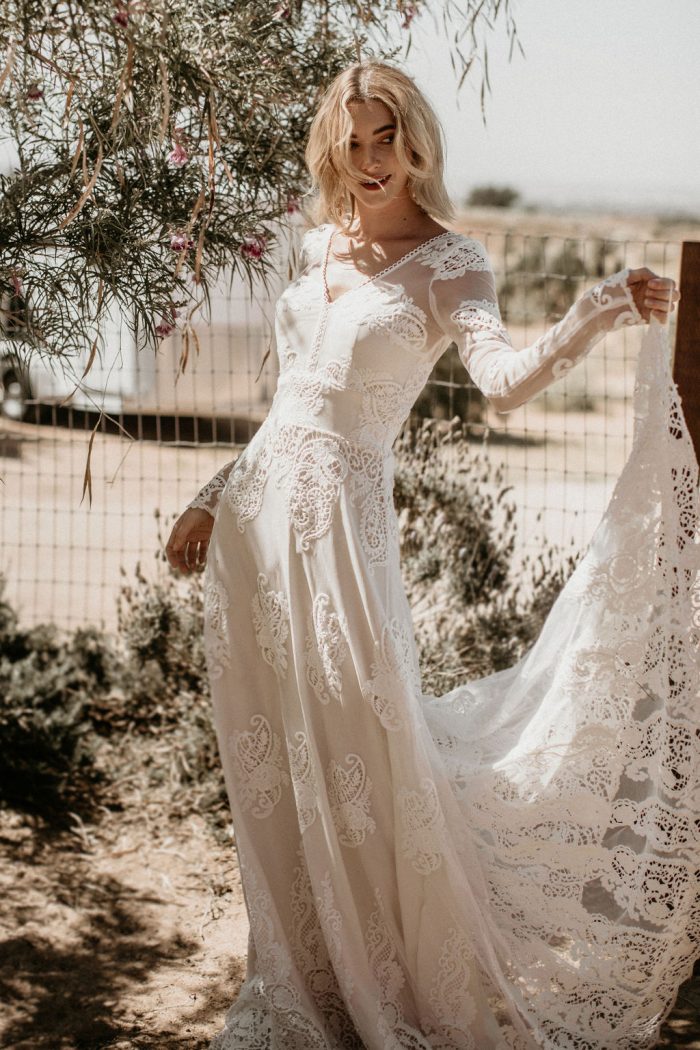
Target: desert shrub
pixel 473 612
pixel 83 712
pixel 543 277
pixel 492 197
pixel 47 686
pixel 160 633
pixel 162 692
pixel 449 392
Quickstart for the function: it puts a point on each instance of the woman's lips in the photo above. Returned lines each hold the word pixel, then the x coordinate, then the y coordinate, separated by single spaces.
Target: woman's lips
pixel 373 185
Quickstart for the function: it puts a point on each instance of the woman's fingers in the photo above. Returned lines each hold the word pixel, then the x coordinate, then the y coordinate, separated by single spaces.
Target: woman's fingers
pixel 655 296
pixel 186 549
pixel 195 554
pixel 660 296
pixel 176 549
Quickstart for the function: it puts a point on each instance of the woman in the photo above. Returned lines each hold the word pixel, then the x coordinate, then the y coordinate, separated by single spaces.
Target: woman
pixel 465 871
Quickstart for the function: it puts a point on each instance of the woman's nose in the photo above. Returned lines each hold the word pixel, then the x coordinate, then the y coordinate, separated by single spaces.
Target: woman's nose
pixel 369 159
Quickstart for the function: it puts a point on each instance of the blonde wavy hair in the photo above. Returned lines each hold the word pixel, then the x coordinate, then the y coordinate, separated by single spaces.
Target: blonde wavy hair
pixel 418 143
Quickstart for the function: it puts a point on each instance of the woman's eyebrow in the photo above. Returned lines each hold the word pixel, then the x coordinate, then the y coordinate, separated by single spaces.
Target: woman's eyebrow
pixel 384 127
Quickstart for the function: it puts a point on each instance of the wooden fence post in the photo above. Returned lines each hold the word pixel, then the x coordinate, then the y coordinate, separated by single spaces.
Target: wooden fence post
pixel 686 358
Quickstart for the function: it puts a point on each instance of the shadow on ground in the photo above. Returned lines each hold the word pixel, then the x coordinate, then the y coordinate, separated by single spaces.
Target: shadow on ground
pixel 85 942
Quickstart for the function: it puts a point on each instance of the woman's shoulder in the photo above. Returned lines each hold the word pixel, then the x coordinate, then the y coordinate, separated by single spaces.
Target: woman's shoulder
pixel 313 239
pixel 455 254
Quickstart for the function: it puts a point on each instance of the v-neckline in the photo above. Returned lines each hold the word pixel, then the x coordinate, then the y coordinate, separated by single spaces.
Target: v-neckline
pixel 374 277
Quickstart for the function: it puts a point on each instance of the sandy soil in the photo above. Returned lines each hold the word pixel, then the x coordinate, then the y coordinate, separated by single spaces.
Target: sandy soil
pixel 130 934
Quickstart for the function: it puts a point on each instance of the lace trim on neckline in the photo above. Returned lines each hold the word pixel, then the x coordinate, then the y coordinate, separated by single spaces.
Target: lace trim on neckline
pixel 369 280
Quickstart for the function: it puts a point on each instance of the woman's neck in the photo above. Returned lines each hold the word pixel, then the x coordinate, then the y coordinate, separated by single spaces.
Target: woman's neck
pixel 399 218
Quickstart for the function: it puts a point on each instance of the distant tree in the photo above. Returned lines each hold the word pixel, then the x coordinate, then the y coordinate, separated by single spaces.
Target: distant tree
pixel 492 197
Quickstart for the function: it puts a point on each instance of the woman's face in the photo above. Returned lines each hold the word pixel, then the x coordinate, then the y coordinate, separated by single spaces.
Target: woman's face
pixel 372 152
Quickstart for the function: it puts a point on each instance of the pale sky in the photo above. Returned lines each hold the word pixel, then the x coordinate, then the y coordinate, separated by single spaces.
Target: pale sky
pixel 604 107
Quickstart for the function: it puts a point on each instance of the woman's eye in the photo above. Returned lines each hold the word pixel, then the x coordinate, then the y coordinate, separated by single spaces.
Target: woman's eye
pixel 389 139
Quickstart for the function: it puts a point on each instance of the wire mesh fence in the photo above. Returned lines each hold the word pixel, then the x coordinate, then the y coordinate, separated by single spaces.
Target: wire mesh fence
pixel 168 431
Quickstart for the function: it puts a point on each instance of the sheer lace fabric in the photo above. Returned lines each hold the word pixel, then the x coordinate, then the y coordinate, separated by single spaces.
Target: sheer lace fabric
pixel 512 864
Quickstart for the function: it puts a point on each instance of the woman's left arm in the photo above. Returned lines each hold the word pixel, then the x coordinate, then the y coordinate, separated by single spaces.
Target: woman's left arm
pixel 466 307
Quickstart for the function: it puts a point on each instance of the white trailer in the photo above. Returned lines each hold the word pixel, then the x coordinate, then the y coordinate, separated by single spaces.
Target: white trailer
pixel 218 381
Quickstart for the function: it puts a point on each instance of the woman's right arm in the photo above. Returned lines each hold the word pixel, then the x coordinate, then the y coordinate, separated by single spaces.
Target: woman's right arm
pixel 209 495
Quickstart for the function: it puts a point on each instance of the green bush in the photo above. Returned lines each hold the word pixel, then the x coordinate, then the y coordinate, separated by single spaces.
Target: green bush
pixel 449 392
pixel 47 685
pixel 492 197
pixel 473 613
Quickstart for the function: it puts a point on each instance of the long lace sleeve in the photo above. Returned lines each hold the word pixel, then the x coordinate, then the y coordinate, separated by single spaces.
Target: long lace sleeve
pixel 208 496
pixel 465 305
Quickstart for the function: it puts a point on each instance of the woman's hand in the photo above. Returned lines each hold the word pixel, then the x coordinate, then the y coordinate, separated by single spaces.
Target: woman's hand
pixel 188 542
pixel 653 295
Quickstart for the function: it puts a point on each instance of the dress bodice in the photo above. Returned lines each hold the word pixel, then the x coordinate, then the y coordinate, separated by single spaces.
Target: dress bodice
pixel 353 367
pixel 356 364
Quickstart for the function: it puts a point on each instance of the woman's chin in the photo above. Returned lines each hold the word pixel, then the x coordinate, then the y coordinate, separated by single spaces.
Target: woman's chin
pixel 375 198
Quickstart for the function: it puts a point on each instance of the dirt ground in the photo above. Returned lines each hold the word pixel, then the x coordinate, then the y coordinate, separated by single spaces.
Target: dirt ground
pixel 133 934
pixel 129 934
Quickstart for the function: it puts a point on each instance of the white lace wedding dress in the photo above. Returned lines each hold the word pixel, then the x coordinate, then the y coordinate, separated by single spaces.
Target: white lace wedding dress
pixel 512 864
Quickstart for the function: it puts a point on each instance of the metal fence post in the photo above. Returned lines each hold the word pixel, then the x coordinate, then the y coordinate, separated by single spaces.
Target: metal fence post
pixel 686 359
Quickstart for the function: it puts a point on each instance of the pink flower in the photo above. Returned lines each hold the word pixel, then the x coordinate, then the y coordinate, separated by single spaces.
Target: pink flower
pixel 409 13
pixel 121 15
pixel 292 205
pixel 254 246
pixel 180 242
pixel 34 93
pixel 167 326
pixel 178 156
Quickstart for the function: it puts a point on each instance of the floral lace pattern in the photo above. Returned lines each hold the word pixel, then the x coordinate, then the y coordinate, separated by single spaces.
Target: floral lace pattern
pixel 480 315
pixel 390 980
pixel 422 826
pixel 387 311
pixel 394 673
pixel 455 257
pixel 312 388
pixel 259 766
pixel 326 649
pixel 271 624
pixel 384 401
pixel 450 997
pixel 267 1008
pixel 349 792
pixel 244 491
pixel 215 609
pixel 303 780
pixel 311 468
pixel 208 495
pixel 317 954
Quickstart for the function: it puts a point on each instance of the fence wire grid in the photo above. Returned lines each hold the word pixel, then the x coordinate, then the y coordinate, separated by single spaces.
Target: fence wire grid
pixel 65 560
